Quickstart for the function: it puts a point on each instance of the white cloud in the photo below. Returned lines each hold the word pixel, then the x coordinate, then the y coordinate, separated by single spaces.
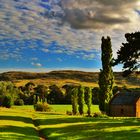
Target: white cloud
pixel 45 50
pixel 32 20
pixel 36 64
pixel 89 56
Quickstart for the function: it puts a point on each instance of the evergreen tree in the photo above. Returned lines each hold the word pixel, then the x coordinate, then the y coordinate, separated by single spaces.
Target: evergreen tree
pixel 88 99
pixel 129 53
pixel 106 78
pixel 81 100
pixel 74 100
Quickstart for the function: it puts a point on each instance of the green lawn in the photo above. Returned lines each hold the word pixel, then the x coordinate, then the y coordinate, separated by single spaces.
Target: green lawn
pixel 17 123
pixel 62 109
pixel 62 127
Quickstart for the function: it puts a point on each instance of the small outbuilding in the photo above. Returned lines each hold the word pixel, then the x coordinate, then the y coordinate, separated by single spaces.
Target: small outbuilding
pixel 125 104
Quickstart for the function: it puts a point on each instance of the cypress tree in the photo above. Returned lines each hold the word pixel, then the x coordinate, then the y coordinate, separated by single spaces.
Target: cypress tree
pixel 81 100
pixel 88 100
pixel 106 78
pixel 74 100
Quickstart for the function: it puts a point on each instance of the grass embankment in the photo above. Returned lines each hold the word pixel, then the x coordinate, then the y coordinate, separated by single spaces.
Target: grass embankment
pixel 17 124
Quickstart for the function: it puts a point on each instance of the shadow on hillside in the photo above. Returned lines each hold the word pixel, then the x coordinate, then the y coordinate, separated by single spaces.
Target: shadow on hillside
pixel 97 131
pixel 19 132
pixel 16 118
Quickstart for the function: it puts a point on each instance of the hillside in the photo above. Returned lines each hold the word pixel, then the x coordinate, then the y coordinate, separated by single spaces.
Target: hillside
pixel 67 76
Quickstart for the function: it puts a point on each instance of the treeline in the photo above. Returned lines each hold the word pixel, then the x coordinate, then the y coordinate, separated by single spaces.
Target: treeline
pixel 30 93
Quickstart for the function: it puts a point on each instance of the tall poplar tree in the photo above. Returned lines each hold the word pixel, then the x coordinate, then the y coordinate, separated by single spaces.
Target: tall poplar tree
pixel 74 100
pixel 88 99
pixel 106 78
pixel 81 100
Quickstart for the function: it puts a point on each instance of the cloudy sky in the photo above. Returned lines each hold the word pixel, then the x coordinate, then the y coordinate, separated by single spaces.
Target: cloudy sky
pixel 43 35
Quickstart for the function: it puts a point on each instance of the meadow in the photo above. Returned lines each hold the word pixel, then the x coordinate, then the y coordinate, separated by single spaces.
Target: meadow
pixel 22 122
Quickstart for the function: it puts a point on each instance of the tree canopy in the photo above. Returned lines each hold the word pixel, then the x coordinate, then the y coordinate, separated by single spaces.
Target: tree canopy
pixel 129 53
pixel 106 78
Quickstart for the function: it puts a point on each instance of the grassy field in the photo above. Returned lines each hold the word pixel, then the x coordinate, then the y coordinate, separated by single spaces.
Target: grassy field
pixel 17 123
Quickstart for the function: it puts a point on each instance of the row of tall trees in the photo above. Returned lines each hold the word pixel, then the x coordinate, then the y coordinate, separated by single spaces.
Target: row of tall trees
pixel 79 97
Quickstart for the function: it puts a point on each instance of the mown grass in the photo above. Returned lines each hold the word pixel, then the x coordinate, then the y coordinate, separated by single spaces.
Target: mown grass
pixel 62 109
pixel 16 123
pixel 62 127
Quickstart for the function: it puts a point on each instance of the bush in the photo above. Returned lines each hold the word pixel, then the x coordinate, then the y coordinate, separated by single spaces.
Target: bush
pixel 69 112
pixel 44 107
pixel 100 115
pixel 7 101
pixel 19 102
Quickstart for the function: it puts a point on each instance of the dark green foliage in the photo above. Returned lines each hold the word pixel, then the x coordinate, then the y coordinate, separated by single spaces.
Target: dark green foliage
pixel 19 102
pixel 42 92
pixel 44 107
pixel 7 101
pixel 29 87
pixel 106 78
pixel 95 95
pixel 67 96
pixel 88 99
pixel 81 100
pixel 116 89
pixel 74 100
pixel 55 96
pixel 9 93
pixel 129 53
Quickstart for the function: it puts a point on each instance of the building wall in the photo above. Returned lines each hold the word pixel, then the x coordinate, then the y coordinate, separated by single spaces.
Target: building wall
pixel 138 108
pixel 123 110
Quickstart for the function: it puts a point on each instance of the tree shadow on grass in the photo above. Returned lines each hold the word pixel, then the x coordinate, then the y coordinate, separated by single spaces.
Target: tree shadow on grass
pixel 27 132
pixel 90 132
pixel 16 118
pixel 72 119
pixel 61 120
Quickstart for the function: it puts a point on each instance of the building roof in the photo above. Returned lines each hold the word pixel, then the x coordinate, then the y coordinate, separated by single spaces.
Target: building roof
pixel 125 98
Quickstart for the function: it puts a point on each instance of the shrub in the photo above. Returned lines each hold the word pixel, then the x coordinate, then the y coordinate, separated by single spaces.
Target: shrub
pixel 44 107
pixel 69 112
pixel 7 101
pixel 19 102
pixel 100 115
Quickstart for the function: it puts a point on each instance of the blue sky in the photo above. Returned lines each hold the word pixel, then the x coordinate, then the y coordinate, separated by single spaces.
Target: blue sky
pixel 44 35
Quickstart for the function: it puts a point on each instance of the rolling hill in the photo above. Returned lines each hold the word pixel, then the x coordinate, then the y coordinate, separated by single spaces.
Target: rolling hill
pixel 67 76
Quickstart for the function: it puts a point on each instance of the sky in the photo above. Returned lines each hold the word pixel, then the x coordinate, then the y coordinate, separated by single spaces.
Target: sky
pixel 45 35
